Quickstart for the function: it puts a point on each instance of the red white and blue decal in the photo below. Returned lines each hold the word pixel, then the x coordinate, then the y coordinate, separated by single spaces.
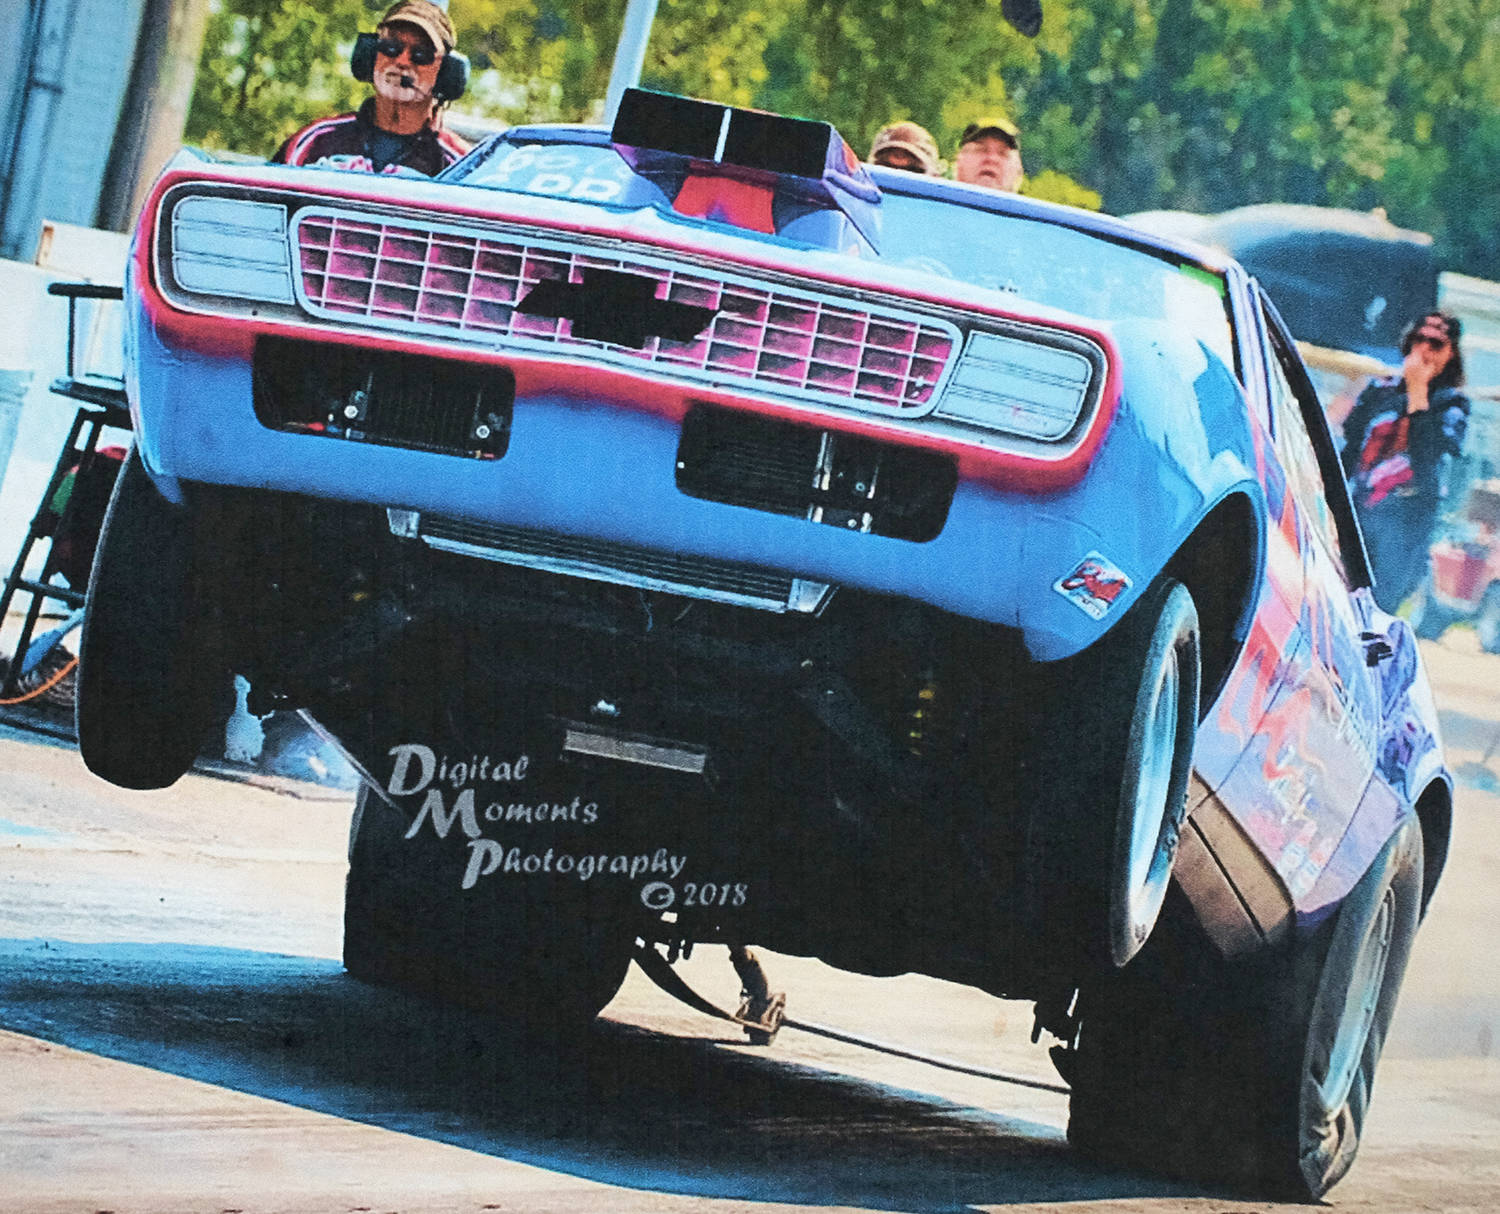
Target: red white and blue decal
pixel 1094 585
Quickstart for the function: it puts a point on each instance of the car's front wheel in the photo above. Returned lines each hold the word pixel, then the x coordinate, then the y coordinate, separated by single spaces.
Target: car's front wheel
pixel 1256 1072
pixel 544 961
pixel 1107 760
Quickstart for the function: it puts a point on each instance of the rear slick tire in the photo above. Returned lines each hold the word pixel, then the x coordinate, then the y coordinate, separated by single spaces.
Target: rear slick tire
pixel 545 966
pixel 1257 1072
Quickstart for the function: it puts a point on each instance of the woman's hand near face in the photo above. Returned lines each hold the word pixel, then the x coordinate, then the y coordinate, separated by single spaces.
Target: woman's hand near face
pixel 1424 362
pixel 1418 370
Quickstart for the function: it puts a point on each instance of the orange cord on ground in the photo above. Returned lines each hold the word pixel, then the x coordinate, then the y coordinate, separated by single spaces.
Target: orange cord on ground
pixel 47 686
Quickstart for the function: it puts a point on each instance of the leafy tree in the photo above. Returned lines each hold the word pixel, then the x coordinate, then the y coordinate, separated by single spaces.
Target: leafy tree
pixel 1446 100
pixel 1132 104
pixel 269 66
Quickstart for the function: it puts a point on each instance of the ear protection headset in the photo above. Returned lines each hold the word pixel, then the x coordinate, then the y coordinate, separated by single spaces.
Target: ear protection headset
pixel 452 77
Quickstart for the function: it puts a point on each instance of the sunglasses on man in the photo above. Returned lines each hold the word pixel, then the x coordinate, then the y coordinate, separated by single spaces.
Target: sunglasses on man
pixel 1431 342
pixel 421 53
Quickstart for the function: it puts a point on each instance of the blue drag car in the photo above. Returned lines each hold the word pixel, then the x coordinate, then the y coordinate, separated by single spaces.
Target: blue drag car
pixel 693 534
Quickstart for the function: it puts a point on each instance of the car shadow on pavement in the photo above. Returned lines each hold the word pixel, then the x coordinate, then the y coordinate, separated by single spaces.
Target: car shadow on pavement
pixel 623 1106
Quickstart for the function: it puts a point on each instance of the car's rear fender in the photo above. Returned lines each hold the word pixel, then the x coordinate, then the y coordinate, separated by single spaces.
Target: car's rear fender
pixel 1409 763
pixel 1173 479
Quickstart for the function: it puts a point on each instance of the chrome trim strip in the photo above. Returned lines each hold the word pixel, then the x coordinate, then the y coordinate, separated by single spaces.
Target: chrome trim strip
pixel 670 756
pixel 779 593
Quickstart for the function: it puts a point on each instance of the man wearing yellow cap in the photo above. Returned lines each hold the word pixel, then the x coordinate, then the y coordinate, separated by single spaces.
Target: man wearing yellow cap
pixel 989 154
pixel 415 70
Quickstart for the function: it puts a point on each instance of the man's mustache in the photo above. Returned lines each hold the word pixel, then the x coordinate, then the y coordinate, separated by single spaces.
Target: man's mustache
pixel 408 81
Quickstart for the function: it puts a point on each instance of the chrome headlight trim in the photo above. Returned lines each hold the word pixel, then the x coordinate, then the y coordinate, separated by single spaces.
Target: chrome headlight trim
pixel 1033 385
pixel 233 247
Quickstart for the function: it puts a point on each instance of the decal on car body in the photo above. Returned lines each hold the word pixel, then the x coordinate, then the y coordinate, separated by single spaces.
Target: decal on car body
pixel 1094 585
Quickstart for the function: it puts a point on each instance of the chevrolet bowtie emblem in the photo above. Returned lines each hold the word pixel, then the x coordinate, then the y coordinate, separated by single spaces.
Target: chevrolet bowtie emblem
pixel 621 309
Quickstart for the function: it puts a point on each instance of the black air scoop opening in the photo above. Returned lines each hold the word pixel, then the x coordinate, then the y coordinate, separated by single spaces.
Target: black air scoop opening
pixel 825 476
pixel 382 397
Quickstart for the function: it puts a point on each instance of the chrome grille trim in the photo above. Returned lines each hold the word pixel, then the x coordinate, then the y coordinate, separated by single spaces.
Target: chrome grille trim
pixel 464 282
pixel 600 561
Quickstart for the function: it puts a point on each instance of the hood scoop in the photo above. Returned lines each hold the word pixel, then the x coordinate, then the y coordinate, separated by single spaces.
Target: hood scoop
pixel 760 172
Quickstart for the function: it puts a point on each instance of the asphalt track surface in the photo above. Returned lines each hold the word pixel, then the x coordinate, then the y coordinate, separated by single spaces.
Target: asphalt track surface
pixel 176 1034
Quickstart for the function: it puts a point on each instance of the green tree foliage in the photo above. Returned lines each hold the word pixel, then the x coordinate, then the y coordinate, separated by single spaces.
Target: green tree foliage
pixel 1444 174
pixel 269 66
pixel 1132 104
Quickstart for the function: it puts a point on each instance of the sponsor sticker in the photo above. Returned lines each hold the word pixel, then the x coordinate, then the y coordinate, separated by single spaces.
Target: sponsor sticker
pixel 1094 585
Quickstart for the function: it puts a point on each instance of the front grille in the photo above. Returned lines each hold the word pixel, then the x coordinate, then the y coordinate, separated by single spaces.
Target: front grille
pixel 464 282
pixel 674 573
pixel 840 480
pixel 400 400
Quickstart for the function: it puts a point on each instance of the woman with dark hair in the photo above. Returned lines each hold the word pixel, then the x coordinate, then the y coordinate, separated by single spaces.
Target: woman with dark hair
pixel 1400 441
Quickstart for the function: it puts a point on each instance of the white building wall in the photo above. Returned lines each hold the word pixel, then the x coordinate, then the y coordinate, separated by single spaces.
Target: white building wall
pixel 64 87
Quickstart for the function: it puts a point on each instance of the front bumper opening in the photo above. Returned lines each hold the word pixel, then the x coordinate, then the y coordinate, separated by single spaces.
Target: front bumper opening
pixel 381 397
pixel 839 480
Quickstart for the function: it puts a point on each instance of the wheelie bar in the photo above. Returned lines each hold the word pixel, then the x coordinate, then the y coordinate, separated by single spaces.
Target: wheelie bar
pixel 760 1013
pixel 660 971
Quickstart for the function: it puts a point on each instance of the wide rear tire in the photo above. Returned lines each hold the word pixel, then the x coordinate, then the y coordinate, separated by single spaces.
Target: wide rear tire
pixel 546 964
pixel 1255 1073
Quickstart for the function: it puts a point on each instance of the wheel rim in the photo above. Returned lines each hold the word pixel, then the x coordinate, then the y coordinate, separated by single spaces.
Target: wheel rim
pixel 1366 981
pixel 1145 867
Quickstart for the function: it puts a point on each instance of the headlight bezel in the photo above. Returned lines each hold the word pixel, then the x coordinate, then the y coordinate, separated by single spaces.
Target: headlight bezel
pixel 219 245
pixel 1058 373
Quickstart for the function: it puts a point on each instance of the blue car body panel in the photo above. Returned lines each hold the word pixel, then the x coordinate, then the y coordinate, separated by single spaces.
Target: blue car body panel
pixel 569 458
pixel 1314 752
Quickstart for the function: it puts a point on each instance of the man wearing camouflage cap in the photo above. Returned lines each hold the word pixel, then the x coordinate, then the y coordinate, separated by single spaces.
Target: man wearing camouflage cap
pixel 908 146
pixel 415 69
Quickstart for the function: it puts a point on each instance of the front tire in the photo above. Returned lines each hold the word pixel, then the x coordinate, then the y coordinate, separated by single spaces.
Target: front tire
pixel 1257 1072
pixel 146 678
pixel 1107 765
